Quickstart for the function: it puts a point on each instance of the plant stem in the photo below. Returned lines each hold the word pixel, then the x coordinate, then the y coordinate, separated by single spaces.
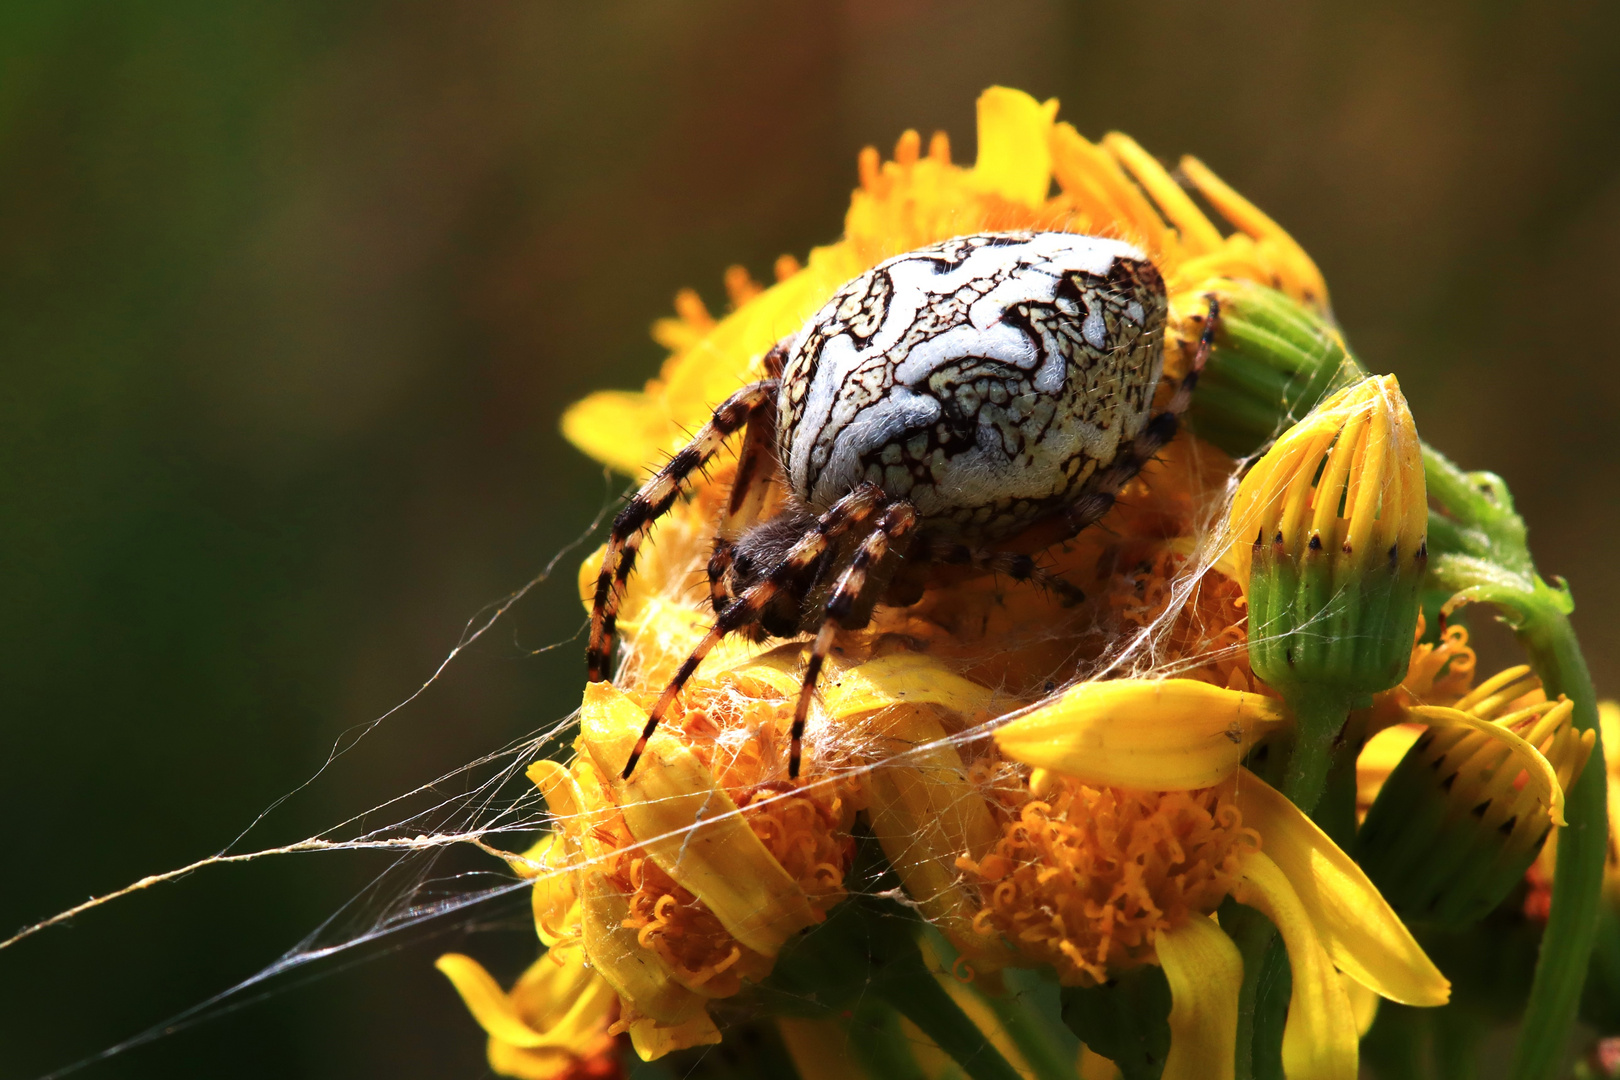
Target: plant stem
pixel 1321 714
pixel 1566 944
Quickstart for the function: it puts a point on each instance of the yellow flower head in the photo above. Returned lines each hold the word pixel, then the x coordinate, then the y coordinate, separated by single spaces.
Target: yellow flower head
pixel 1107 875
pixel 685 880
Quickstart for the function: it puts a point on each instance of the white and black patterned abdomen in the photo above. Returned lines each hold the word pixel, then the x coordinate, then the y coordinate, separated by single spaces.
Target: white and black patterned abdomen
pixel 985 378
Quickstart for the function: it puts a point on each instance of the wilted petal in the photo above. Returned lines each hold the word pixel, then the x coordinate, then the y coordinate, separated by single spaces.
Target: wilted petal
pixel 641 979
pixel 653 1040
pixel 926 814
pixel 1155 734
pixel 1205 972
pixel 691 828
pixel 1356 925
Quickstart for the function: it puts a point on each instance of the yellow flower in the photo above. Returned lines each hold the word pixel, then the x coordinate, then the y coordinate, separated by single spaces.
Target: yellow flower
pixel 556 1022
pixel 1113 189
pixel 1483 789
pixel 684 882
pixel 1138 822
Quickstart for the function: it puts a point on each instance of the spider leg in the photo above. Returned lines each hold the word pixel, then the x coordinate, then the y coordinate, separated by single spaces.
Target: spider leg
pixel 1017 567
pixel 845 612
pixel 654 499
pixel 852 510
pixel 1154 436
pixel 748 493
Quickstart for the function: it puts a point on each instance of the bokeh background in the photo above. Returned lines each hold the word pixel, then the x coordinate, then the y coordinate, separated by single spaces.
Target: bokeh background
pixel 292 295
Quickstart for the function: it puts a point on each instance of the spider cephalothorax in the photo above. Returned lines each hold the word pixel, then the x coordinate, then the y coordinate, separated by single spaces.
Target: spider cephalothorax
pixel 940 406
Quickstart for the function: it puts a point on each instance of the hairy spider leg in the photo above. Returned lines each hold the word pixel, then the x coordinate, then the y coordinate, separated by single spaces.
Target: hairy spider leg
pixel 652 502
pixel 1017 567
pixel 852 510
pixel 1154 436
pixel 845 610
pixel 755 461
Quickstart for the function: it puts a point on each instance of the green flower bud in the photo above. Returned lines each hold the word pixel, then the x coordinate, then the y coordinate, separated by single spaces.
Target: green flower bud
pixel 1335 515
pixel 1274 358
pixel 1461 818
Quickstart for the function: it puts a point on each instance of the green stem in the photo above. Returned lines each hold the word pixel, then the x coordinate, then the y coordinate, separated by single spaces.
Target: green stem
pixel 1321 715
pixel 925 1003
pixel 1046 1056
pixel 1566 944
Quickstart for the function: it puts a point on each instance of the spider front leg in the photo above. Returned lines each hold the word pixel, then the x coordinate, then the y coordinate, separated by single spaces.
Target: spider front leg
pixel 1154 436
pixel 653 501
pixel 847 513
pixel 847 609
pixel 755 460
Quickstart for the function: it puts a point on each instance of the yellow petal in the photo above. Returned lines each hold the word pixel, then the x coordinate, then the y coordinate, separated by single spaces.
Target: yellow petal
pixel 1363 1004
pixel 1205 972
pixel 1543 779
pixel 1015 160
pixel 1160 734
pixel 897 679
pixel 636 974
pixel 487 1002
pixel 1198 234
pixel 525 1064
pixel 926 814
pixel 1319 1041
pixel 1303 278
pixel 557 1004
pixel 652 1040
pixel 691 828
pixel 1357 927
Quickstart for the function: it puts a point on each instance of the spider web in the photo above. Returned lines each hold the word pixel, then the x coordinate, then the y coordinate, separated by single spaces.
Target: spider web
pixel 499 808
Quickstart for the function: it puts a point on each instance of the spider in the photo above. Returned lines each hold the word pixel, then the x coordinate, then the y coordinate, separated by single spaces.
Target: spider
pixel 986 393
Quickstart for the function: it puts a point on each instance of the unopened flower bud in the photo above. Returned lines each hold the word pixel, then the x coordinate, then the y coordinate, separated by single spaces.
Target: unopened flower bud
pixel 1330 530
pixel 1463 815
pixel 1274 358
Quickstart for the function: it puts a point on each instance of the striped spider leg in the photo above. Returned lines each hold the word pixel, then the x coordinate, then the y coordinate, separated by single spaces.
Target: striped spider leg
pixel 851 512
pixel 849 607
pixel 752 406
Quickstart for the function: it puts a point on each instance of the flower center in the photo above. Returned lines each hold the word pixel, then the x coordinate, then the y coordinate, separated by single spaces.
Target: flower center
pixel 1085 878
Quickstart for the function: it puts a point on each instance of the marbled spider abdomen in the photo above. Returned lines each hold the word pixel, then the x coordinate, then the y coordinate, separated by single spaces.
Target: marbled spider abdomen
pixel 984 379
pixel 938 406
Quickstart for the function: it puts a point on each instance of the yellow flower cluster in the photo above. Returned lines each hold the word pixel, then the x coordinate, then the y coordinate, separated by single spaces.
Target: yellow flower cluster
pixel 1101 826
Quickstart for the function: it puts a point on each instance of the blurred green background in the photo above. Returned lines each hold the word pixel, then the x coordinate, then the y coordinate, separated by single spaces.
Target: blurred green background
pixel 292 295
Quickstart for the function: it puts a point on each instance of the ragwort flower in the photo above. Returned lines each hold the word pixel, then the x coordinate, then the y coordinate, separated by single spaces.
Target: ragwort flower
pixel 686 879
pixel 1139 821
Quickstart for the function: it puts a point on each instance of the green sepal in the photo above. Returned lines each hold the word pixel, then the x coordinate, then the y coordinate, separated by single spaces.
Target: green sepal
pixel 1273 360
pixel 1126 1020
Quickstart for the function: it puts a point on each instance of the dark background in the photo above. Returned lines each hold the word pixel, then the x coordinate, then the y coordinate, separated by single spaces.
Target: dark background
pixel 293 294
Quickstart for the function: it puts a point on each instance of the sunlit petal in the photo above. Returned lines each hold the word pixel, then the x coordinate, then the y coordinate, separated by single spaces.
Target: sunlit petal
pixel 691 828
pixel 1357 927
pixel 1159 734
pixel 1319 1041
pixel 1205 972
